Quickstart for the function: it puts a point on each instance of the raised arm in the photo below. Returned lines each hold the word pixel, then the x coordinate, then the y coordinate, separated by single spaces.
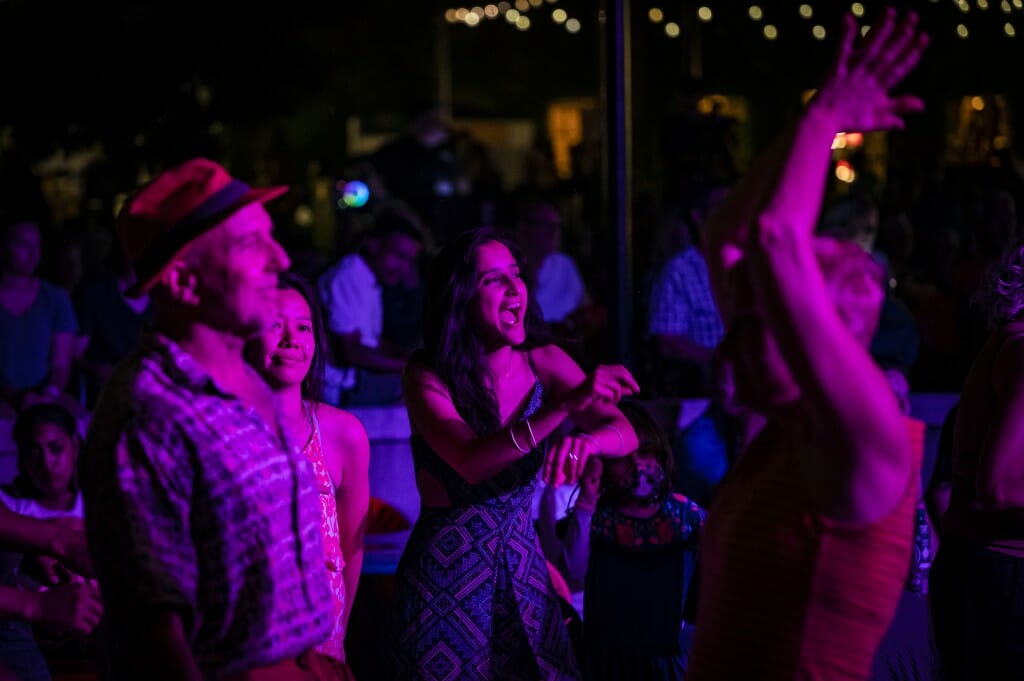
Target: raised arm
pixel 844 392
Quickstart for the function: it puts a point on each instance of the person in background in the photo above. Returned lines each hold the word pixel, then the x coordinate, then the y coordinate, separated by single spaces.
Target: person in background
pixel 979 570
pixel 684 324
pixel 821 503
pixel 290 356
pixel 202 515
pixel 111 323
pixel 422 168
pixel 47 439
pixel 708 446
pixel 554 277
pixel 37 324
pixel 483 398
pixel 855 219
pixel 634 542
pixel 354 307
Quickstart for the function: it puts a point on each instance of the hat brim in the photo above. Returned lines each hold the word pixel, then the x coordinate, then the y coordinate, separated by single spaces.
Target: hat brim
pixel 254 195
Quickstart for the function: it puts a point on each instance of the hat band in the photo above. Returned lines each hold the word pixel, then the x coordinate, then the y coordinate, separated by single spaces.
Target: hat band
pixel 214 210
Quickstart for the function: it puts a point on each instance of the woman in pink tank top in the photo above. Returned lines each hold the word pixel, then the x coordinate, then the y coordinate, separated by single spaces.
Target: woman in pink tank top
pixel 289 355
pixel 807 547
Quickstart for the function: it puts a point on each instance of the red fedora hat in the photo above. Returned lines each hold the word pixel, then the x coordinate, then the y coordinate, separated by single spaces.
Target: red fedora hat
pixel 165 216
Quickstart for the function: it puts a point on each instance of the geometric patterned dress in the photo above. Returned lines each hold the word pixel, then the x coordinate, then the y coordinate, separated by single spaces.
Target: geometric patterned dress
pixel 473 596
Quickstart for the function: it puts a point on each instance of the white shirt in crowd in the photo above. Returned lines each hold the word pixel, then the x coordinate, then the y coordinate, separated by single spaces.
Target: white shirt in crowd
pixel 559 289
pixel 352 301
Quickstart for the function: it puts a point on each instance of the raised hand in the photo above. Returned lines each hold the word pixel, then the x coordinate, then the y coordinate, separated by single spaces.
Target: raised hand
pixel 857 91
pixel 568 457
pixel 606 384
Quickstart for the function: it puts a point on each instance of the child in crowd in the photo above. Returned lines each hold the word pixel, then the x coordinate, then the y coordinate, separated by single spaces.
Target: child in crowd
pixel 638 542
pixel 47 441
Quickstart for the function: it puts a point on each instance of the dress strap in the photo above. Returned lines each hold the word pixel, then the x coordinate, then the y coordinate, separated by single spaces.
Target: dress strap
pixel 314 424
pixel 315 449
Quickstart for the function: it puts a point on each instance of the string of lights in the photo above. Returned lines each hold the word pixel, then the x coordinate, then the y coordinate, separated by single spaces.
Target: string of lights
pixel 522 14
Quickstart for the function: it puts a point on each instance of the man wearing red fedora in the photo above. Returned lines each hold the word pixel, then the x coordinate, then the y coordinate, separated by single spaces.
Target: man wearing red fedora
pixel 202 519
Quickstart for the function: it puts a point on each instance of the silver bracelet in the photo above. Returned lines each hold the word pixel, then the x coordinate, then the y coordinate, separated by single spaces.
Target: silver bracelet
pixel 512 434
pixel 533 438
pixel 621 441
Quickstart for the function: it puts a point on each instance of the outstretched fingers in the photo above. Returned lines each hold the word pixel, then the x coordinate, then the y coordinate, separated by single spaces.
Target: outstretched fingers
pixel 904 61
pixel 907 104
pixel 844 51
pixel 874 44
pixel 895 44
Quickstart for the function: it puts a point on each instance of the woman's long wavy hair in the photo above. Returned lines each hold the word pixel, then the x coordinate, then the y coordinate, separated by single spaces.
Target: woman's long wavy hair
pixel 451 346
pixel 1001 293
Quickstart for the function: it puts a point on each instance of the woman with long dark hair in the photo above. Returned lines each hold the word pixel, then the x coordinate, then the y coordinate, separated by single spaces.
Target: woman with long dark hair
pixel 473 598
pixel 290 356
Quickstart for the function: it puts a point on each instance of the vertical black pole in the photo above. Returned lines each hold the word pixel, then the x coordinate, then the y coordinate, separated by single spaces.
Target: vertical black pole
pixel 618 169
pixel 443 58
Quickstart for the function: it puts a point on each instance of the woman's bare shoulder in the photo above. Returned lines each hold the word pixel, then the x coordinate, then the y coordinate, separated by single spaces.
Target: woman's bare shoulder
pixel 340 425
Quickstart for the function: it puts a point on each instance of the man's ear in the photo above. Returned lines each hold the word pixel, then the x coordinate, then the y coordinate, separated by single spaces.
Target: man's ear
pixel 182 282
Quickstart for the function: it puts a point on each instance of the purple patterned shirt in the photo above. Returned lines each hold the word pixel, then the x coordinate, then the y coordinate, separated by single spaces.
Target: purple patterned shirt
pixel 193 503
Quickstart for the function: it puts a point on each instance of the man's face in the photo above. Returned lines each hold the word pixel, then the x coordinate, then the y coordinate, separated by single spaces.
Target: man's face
pixel 394 258
pixel 237 269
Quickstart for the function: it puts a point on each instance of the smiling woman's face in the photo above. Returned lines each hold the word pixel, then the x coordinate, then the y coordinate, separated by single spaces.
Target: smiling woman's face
pixel 285 350
pixel 498 309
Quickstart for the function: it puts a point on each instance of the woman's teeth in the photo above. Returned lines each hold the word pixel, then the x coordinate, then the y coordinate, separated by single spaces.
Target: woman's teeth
pixel 510 315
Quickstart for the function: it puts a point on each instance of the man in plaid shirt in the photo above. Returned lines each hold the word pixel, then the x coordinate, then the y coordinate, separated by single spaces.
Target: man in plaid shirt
pixel 203 521
pixel 684 324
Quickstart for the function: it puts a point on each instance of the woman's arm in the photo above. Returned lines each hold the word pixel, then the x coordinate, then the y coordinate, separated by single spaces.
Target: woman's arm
pixel 1001 460
pixel 606 431
pixel 72 606
pixel 45 537
pixel 477 458
pixel 350 450
pixel 841 385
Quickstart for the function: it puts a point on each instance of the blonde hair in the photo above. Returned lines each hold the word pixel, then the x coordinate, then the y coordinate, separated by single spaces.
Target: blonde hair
pixel 855 285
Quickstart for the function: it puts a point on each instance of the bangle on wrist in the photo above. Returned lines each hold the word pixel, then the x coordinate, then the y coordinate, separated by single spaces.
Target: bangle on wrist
pixel 594 442
pixel 515 443
pixel 616 431
pixel 533 438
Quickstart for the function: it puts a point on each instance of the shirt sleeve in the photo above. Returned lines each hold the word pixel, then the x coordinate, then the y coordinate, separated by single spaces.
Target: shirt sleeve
pixel 693 520
pixel 345 300
pixel 669 306
pixel 138 519
pixel 577 542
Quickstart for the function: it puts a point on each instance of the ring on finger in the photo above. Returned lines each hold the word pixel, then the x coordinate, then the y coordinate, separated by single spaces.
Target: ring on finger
pixel 572 455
